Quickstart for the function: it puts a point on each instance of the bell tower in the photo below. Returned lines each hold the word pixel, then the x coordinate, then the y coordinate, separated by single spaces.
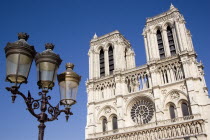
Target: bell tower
pixel 108 54
pixel 165 35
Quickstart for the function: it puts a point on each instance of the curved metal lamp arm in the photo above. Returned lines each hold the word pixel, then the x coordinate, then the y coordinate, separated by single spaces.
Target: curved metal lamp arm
pixel 55 112
pixel 30 102
pixel 42 103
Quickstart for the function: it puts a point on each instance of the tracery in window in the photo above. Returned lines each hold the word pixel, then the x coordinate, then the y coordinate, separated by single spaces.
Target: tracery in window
pixel 102 64
pixel 142 111
pixel 111 60
pixel 160 44
pixel 171 41
pixel 114 123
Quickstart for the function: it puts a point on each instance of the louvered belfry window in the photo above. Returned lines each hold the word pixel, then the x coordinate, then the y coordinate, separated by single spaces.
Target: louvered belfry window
pixel 171 41
pixel 102 64
pixel 111 60
pixel 160 44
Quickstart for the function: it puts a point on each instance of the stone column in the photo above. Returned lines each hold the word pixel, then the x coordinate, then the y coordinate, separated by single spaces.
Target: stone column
pixel 106 60
pixel 91 122
pixel 183 34
pixel 172 74
pixel 146 48
pixel 179 37
pixel 120 89
pixel 177 46
pixel 90 54
pixel 133 60
pixel 165 43
pixel 97 66
pixel 155 46
pixel 190 41
pixel 150 45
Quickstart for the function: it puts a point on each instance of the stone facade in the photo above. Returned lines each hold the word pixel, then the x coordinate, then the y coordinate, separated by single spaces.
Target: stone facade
pixel 166 98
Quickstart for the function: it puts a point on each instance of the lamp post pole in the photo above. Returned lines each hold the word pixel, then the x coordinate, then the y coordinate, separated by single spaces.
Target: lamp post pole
pixel 19 59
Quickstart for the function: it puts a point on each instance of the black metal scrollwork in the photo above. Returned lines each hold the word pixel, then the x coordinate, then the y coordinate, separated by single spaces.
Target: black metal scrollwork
pixel 42 104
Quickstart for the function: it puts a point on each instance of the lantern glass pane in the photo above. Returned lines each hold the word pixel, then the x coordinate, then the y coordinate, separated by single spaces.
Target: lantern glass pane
pixel 18 66
pixel 24 65
pixel 71 90
pixel 46 71
pixel 62 86
pixel 68 91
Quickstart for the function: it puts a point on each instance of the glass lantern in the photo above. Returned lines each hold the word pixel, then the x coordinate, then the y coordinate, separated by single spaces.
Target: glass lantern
pixel 47 64
pixel 68 82
pixel 19 57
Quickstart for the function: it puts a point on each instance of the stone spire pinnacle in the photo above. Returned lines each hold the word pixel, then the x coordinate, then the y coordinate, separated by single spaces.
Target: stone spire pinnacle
pixel 95 36
pixel 172 6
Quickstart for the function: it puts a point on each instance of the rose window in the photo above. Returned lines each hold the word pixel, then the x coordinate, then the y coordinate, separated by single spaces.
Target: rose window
pixel 142 111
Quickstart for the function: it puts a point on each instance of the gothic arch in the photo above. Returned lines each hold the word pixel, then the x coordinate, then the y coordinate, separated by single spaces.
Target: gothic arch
pixel 173 97
pixel 102 117
pixel 166 24
pixel 102 124
pixel 182 101
pixel 170 103
pixel 110 110
pixel 108 44
pixel 168 110
pixel 158 27
pixel 111 116
pixel 98 49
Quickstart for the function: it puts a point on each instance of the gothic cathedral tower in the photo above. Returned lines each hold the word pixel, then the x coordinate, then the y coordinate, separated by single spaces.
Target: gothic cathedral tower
pixel 166 98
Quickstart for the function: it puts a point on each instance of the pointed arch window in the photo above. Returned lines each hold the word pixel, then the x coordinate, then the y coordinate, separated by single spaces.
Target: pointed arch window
pixel 172 111
pixel 185 109
pixel 160 44
pixel 111 60
pixel 171 41
pixel 102 64
pixel 104 124
pixel 114 123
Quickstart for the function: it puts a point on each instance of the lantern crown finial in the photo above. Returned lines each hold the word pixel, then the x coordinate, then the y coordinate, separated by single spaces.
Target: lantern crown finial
pixel 69 66
pixel 49 46
pixel 23 35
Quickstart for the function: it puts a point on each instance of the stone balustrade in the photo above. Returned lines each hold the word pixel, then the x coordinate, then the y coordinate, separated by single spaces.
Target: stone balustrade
pixel 138 79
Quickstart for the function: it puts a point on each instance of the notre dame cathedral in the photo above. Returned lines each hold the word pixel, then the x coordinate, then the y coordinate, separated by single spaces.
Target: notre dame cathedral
pixel 165 99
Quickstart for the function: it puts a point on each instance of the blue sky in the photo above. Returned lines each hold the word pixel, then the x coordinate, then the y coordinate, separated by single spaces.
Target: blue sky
pixel 70 24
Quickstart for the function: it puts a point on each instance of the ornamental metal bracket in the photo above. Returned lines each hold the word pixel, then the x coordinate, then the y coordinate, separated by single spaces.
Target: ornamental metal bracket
pixel 42 104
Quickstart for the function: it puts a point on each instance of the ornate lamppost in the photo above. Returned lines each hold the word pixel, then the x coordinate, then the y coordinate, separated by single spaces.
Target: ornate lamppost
pixel 19 57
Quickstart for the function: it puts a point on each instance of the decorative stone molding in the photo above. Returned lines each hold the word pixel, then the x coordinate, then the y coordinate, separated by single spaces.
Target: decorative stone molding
pixel 183 87
pixel 97 108
pixel 168 129
pixel 175 95
pixel 164 92
pixel 156 20
pixel 101 40
pixel 107 110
